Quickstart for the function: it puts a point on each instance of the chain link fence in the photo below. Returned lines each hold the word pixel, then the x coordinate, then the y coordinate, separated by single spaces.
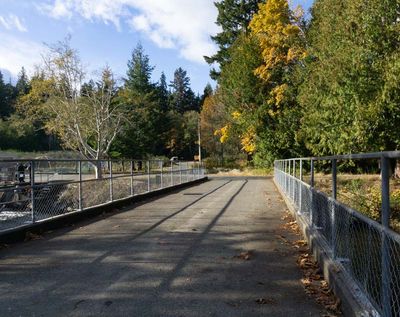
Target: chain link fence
pixel 38 190
pixel 367 250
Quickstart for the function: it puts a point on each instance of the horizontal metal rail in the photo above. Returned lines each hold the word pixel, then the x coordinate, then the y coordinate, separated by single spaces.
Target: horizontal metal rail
pixel 358 156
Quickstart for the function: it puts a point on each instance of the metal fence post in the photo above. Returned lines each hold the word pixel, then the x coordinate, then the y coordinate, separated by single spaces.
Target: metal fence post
pixel 80 185
pixel 294 181
pixel 148 176
pixel 180 172
pixel 312 193
pixel 285 175
pixel 300 185
pixel 132 191
pixel 290 172
pixel 32 176
pixel 385 192
pixel 333 214
pixel 172 175
pixel 161 174
pixel 111 181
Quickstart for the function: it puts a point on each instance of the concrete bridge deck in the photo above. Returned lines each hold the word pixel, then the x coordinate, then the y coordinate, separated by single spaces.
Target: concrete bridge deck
pixel 170 256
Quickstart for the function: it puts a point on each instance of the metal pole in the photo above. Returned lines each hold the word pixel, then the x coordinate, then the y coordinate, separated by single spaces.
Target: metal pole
pixel 111 182
pixel 290 171
pixel 80 184
pixel 333 215
pixel 148 176
pixel 301 170
pixel 385 192
pixel 312 174
pixel 285 170
pixel 312 193
pixel 172 175
pixel 199 132
pixel 187 171
pixel 161 174
pixel 294 180
pixel 180 172
pixel 300 187
pixel 132 191
pixel 32 176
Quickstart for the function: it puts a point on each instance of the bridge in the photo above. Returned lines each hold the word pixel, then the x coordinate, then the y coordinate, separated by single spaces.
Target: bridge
pixel 163 241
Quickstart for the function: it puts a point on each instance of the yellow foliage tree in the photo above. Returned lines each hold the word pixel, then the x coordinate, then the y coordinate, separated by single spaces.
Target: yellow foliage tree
pixel 279 37
pixel 282 44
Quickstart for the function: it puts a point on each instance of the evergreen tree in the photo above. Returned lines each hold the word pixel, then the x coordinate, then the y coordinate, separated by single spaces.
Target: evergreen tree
pixel 144 131
pixel 163 93
pixel 3 105
pixel 241 94
pixel 22 85
pixel 7 98
pixel 233 18
pixel 182 96
pixel 207 92
pixel 139 72
pixel 87 88
pixel 349 94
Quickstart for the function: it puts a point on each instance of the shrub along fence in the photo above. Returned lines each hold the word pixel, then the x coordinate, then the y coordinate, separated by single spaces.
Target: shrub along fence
pixel 367 250
pixel 39 190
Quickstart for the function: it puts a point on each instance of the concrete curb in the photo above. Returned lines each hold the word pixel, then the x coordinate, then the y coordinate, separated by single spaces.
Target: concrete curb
pixel 353 301
pixel 19 234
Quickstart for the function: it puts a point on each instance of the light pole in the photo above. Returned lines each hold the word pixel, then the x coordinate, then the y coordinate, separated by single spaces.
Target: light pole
pixel 199 138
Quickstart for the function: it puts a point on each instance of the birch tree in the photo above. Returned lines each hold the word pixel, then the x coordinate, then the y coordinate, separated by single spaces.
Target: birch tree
pixel 87 123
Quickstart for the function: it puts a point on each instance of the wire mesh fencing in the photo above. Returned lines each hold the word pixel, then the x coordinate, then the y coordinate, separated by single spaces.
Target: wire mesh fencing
pixel 38 190
pixel 367 250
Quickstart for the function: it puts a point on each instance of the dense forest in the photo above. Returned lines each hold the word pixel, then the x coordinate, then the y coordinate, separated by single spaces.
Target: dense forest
pixel 292 84
pixel 289 84
pixel 155 118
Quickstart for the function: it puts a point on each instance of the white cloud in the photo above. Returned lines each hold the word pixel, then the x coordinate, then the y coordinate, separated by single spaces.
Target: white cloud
pixel 104 10
pixel 15 53
pixel 181 24
pixel 12 22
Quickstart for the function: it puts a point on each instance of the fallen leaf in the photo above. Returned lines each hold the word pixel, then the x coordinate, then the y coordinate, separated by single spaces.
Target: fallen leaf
pixel 264 301
pixel 245 255
pixel 29 236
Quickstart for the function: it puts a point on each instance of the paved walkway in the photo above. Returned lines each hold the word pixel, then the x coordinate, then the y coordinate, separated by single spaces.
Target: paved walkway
pixel 172 256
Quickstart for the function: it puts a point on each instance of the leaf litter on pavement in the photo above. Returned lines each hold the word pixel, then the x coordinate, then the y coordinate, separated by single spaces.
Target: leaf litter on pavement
pixel 312 280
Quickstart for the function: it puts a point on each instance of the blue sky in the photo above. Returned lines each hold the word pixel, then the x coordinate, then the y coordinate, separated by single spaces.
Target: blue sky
pixel 174 33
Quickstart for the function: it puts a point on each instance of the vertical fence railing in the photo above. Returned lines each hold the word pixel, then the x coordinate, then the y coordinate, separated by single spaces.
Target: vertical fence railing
pixel 32 178
pixel 385 194
pixel 80 185
pixel 368 251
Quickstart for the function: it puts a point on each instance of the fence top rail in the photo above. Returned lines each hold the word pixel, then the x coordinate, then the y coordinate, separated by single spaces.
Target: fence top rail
pixel 372 155
pixel 16 160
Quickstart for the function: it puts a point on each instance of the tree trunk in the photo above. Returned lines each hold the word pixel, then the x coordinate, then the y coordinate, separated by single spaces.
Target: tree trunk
pixel 97 169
